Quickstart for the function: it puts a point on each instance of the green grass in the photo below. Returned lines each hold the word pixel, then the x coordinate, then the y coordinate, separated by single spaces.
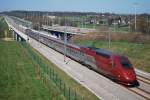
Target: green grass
pixel 82 91
pixel 139 54
pixel 18 80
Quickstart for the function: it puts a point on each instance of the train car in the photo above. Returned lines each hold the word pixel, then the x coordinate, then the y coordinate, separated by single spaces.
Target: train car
pixel 112 65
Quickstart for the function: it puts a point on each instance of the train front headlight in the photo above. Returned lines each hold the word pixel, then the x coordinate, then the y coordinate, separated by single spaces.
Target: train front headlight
pixel 127 78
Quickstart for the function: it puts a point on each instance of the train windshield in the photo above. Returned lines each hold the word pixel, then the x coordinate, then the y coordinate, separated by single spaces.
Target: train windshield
pixel 125 63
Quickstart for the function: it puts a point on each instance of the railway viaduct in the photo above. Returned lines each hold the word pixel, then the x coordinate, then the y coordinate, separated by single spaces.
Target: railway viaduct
pixel 17 35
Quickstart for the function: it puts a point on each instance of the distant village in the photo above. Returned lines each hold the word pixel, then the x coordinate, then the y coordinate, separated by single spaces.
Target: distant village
pixel 85 19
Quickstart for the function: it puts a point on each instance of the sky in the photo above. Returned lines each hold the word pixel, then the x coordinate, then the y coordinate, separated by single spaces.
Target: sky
pixel 112 6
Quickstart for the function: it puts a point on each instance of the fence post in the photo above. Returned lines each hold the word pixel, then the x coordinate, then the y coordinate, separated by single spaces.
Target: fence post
pixel 82 98
pixel 64 89
pixel 69 93
pixel 56 79
pixel 60 83
pixel 75 96
pixel 53 75
pixel 43 78
pixel 39 72
pixel 50 73
pixel 47 69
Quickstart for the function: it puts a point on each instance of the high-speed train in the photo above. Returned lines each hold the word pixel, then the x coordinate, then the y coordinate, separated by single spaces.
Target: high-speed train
pixel 112 65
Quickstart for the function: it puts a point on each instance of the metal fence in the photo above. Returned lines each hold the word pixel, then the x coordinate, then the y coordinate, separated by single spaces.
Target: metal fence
pixel 48 75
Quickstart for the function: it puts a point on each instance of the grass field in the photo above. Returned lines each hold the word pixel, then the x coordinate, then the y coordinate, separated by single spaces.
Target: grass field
pixel 17 75
pixel 139 54
pixel 18 79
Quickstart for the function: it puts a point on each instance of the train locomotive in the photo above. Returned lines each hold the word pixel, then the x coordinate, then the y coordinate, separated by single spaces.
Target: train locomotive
pixel 112 65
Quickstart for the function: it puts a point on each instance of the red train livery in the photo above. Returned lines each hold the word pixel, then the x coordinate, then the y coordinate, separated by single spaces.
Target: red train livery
pixel 112 65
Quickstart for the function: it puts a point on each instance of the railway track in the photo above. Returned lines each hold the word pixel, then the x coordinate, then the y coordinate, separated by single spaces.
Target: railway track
pixel 140 90
pixel 143 79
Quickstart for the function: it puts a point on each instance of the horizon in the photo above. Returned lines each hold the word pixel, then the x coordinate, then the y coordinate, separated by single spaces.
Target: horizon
pixel 75 12
pixel 96 6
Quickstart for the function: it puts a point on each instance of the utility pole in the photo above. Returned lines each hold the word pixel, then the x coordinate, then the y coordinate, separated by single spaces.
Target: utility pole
pixel 93 24
pixel 147 23
pixel 82 21
pixel 65 42
pixel 52 19
pixel 47 22
pixel 129 22
pixel 85 21
pixel 109 37
pixel 135 13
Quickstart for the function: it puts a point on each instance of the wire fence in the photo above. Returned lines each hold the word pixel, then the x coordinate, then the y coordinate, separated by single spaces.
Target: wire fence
pixel 50 77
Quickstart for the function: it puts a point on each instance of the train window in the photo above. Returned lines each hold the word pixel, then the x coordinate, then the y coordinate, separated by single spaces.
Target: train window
pixel 102 54
pixel 125 63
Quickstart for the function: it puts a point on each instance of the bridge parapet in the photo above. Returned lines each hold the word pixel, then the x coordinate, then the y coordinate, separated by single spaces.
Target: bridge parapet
pixel 18 29
pixel 68 29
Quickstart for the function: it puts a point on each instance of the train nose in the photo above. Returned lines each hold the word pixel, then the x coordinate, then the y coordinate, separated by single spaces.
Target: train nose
pixel 129 76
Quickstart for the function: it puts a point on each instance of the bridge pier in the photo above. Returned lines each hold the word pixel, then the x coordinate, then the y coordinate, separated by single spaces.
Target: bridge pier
pixel 16 36
pixel 13 34
pixel 19 38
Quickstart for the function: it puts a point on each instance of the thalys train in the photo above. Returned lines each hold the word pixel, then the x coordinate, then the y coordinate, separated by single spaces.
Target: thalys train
pixel 115 66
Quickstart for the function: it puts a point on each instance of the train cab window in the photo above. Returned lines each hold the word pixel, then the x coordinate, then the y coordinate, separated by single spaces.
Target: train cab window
pixel 125 63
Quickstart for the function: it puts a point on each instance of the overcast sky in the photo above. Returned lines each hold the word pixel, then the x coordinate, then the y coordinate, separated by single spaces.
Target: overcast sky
pixel 115 6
